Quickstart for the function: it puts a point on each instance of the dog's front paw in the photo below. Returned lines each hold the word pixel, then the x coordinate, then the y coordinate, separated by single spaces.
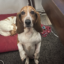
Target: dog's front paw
pixel 23 57
pixel 36 55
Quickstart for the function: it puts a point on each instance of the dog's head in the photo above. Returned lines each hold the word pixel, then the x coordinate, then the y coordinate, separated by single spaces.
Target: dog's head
pixel 28 17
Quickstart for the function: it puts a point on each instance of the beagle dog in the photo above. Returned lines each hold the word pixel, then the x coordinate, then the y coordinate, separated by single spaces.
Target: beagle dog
pixel 8 26
pixel 28 24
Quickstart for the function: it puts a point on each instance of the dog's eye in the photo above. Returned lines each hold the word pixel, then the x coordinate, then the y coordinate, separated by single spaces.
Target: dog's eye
pixel 32 12
pixel 22 12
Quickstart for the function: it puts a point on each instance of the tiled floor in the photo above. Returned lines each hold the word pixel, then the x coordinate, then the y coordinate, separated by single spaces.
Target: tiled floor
pixel 45 20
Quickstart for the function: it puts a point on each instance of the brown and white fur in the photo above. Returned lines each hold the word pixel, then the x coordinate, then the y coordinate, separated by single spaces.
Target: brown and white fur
pixel 28 28
pixel 8 26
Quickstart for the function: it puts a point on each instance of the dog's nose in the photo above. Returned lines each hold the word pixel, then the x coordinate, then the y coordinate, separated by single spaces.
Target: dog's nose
pixel 27 22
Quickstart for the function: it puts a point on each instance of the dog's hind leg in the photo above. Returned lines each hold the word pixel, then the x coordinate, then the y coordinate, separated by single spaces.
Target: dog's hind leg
pixel 27 61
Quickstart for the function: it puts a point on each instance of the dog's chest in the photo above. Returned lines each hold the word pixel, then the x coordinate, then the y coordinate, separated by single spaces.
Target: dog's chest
pixel 30 38
pixel 29 41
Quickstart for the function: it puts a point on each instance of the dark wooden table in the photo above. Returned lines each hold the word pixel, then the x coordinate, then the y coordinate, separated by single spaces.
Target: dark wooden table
pixel 55 12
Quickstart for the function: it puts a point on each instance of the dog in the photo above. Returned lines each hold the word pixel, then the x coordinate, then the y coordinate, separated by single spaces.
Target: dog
pixel 28 24
pixel 8 26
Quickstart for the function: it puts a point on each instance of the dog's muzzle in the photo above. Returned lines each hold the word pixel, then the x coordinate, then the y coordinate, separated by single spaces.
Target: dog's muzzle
pixel 27 22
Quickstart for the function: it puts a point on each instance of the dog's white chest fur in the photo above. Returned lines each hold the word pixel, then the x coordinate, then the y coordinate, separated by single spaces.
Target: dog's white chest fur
pixel 29 39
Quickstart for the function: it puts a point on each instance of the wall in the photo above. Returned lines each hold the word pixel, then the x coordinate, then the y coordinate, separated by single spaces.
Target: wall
pixel 38 5
pixel 13 6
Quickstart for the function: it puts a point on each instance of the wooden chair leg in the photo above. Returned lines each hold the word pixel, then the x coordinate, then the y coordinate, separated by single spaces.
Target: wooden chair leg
pixel 33 3
pixel 29 2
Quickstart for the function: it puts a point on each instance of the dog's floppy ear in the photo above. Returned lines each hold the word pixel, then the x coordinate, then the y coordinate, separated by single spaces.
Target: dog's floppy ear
pixel 19 23
pixel 37 24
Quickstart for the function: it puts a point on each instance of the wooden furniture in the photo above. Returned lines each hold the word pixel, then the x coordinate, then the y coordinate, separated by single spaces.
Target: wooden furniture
pixel 55 12
pixel 31 3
